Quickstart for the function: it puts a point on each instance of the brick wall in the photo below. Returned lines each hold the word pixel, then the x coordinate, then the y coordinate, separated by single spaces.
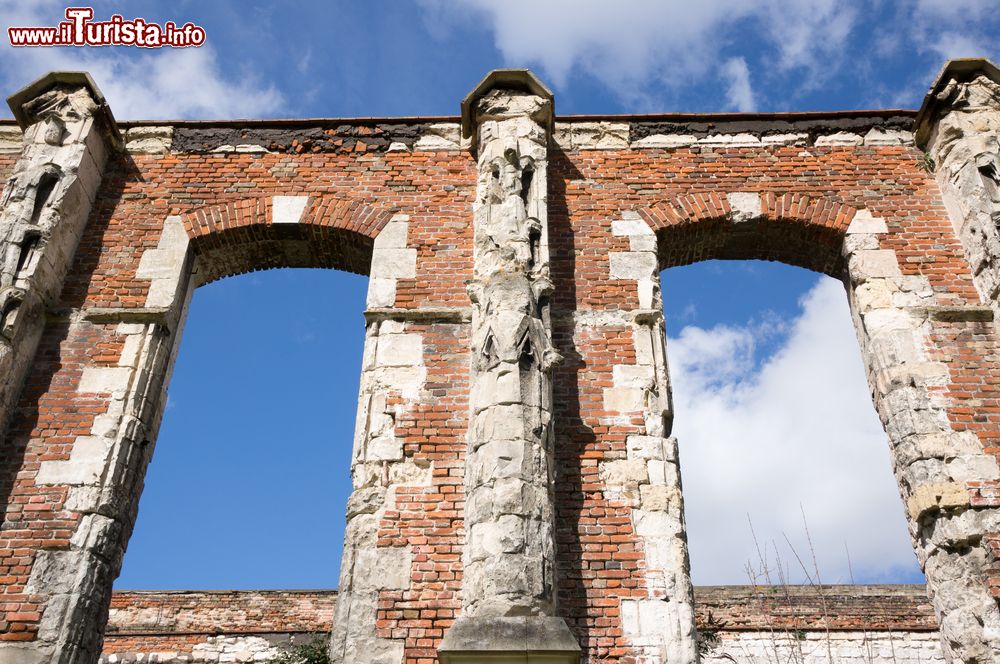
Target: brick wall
pixel 192 202
pixel 181 626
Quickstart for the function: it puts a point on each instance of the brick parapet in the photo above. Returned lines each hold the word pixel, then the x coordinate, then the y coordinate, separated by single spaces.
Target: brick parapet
pixel 157 620
pixel 193 612
pixel 903 608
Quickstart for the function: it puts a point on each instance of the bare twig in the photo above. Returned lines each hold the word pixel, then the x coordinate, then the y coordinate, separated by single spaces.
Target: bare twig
pixel 865 641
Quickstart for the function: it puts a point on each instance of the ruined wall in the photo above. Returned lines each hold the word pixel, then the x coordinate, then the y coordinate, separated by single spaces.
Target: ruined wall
pixel 408 202
pixel 868 625
pixel 212 626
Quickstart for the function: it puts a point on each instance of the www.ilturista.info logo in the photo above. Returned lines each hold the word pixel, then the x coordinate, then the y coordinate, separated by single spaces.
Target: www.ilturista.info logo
pixel 80 30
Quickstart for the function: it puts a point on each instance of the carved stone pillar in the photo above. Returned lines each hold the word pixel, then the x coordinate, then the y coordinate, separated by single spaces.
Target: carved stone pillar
pixel 954 529
pixel 509 575
pixel 68 130
pixel 959 126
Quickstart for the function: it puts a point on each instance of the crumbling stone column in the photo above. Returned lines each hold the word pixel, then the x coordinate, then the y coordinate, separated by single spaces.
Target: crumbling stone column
pixel 68 131
pixel 896 316
pixel 509 575
pixel 392 378
pixel 660 626
pixel 103 475
pixel 959 127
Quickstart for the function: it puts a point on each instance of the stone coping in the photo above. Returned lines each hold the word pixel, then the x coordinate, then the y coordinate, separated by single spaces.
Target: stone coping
pixel 835 129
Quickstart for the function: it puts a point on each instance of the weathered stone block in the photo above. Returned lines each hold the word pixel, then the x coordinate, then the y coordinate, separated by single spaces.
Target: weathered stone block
pixel 657 497
pixel 624 399
pixel 647 447
pixel 841 138
pixel 881 136
pixel 745 205
pixel 84 466
pixel 393 235
pixel 630 225
pixel 730 140
pixel 394 263
pixel 288 209
pixel 632 265
pixel 874 264
pixel 383 568
pixel 149 140
pixel 864 222
pixel 666 141
pixel 599 135
pixel 937 496
pixel 381 293
pixel 104 380
pixel 624 472
pixel 399 350
pixel 445 136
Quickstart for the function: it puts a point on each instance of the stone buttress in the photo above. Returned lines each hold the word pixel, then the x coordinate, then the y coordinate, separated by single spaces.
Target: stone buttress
pixel 659 622
pixel 68 131
pixel 954 516
pixel 509 574
pixel 392 376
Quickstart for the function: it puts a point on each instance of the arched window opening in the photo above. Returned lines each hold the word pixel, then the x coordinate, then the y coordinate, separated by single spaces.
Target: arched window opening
pixel 776 427
pixel 251 470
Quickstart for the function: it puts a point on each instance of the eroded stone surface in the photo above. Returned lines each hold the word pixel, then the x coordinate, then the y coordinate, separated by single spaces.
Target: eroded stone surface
pixel 964 148
pixel 45 205
pixel 509 559
pixel 393 375
pixel 934 463
pixel 149 139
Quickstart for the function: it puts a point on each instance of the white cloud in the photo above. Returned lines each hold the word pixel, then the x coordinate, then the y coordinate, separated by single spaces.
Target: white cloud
pixel 798 429
pixel 139 84
pixel 954 28
pixel 638 46
pixel 651 53
pixel 948 45
pixel 740 92
pixel 952 9
pixel 921 36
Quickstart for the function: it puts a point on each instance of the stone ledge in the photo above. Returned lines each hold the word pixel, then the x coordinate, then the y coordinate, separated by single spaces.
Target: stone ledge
pixel 421 315
pixel 154 315
pixel 959 314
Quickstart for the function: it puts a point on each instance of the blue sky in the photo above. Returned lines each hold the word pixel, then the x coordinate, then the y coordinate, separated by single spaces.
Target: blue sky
pixel 250 474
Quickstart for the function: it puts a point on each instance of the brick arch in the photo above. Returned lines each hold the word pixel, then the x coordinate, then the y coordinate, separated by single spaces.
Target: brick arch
pixel 241 236
pixel 791 228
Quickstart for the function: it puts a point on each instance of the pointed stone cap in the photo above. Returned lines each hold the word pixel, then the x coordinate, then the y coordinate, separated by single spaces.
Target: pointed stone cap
pixel 76 79
pixel 504 79
pixel 962 70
